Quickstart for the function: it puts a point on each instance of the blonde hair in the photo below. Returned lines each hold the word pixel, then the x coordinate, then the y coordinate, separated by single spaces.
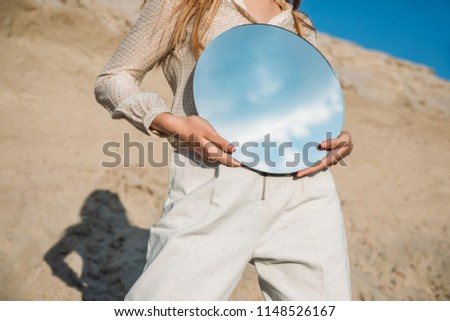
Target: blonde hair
pixel 202 13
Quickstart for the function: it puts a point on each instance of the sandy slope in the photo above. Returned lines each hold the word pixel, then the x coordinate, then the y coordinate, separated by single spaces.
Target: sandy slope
pixel 60 209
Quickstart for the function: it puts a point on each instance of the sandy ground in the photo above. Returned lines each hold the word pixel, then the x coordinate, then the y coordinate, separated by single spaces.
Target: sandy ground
pixel 71 229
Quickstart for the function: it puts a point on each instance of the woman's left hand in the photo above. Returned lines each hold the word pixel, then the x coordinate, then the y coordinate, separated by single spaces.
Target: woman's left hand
pixel 339 148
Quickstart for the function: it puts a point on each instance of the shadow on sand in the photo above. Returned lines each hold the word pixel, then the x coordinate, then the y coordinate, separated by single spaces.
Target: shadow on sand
pixel 112 251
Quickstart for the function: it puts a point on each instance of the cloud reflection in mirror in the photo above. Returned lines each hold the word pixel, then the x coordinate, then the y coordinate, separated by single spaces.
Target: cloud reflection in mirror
pixel 272 94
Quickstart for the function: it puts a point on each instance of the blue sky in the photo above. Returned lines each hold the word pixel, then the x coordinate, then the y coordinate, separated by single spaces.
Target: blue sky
pixel 414 30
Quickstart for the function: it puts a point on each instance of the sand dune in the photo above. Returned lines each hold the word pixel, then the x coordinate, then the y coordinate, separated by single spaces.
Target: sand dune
pixel 72 229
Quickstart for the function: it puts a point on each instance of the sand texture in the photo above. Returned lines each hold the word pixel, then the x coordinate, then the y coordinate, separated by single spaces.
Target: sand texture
pixel 71 229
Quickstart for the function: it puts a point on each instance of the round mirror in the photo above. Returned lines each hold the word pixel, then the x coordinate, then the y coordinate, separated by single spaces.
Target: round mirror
pixel 270 93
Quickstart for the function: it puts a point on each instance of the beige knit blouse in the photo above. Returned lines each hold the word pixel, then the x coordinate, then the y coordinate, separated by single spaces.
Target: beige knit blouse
pixel 118 86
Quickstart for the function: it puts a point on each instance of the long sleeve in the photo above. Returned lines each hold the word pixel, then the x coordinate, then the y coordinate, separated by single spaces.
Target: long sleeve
pixel 117 88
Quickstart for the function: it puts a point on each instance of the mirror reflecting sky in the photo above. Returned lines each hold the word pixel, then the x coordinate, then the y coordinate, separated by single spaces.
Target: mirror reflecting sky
pixel 270 93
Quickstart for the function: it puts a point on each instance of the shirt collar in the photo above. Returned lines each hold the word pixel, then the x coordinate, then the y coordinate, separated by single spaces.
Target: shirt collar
pixel 286 9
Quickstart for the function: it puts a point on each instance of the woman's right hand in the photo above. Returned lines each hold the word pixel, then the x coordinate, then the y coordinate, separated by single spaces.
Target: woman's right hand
pixel 198 134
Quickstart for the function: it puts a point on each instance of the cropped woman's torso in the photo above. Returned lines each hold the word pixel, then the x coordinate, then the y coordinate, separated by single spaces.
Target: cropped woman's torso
pixel 118 85
pixel 180 66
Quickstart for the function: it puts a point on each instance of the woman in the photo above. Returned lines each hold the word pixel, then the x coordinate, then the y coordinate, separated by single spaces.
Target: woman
pixel 216 219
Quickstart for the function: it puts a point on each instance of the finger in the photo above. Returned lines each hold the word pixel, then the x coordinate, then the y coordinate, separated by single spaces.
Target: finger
pixel 197 146
pixel 336 155
pixel 229 161
pixel 332 158
pixel 342 140
pixel 215 153
pixel 331 144
pixel 339 149
pixel 194 141
pixel 224 144
pixel 313 169
pixel 212 152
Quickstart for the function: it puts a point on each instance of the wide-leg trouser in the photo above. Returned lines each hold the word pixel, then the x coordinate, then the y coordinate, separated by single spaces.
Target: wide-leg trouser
pixel 217 219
